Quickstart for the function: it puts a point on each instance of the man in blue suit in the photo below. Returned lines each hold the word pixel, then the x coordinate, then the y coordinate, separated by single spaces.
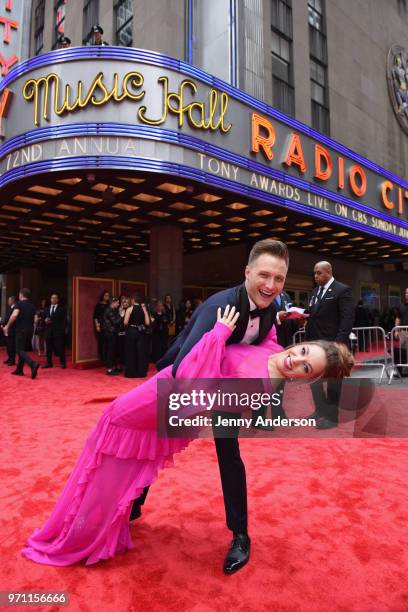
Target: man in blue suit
pixel 265 275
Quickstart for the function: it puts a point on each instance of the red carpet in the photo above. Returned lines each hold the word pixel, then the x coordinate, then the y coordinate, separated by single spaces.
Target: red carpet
pixel 328 518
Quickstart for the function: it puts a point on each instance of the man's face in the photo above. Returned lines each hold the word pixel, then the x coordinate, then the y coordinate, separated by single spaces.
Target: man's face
pixel 10 301
pixel 54 299
pixel 97 37
pixel 265 278
pixel 322 275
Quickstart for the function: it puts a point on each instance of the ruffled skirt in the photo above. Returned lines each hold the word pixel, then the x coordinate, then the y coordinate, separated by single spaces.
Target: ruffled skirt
pixel 121 456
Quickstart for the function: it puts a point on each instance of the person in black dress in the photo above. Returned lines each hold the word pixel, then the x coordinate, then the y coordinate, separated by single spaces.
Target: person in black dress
pixel 112 322
pixel 99 311
pixel 171 315
pixel 23 319
pixel 39 328
pixel 160 331
pixel 137 320
pixel 124 305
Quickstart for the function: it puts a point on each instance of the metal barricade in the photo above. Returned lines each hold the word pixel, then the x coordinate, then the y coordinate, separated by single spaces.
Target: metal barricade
pixel 399 355
pixel 299 336
pixel 372 341
pixel 369 340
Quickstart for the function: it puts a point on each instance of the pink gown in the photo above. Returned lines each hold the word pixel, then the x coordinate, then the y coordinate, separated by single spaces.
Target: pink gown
pixel 123 454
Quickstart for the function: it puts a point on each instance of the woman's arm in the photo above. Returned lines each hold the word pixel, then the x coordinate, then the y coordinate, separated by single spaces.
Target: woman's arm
pixel 127 316
pixel 146 315
pixel 205 358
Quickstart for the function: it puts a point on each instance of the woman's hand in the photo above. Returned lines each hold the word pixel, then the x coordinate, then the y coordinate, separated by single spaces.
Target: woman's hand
pixel 229 318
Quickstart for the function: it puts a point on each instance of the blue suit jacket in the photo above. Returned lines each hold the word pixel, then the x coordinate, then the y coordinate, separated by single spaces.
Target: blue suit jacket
pixel 204 318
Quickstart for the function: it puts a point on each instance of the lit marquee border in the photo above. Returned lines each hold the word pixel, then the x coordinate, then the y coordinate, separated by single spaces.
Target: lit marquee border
pixel 165 135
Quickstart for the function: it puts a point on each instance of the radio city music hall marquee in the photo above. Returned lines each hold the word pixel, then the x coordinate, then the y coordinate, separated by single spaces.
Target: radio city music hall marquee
pixel 131 108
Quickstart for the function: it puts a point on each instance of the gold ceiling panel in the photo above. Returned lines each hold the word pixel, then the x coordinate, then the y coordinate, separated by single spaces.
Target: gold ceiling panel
pixel 90 221
pixel 187 220
pixel 54 215
pixel 262 213
pixel 210 213
pixel 323 229
pixel 101 187
pixel 106 215
pixel 147 197
pixel 181 206
pixel 41 222
pixel 27 200
pixel 70 181
pixel 82 197
pixel 70 207
pixel 129 179
pixel 45 190
pixel 15 208
pixel 127 207
pixel 171 187
pixel 207 197
pixel 159 213
pixel 237 206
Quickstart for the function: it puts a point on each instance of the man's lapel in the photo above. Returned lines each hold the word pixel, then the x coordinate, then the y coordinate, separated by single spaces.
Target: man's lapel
pixel 242 305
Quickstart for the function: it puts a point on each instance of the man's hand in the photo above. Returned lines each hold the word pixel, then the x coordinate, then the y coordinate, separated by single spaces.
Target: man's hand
pixel 5 330
pixel 282 315
pixel 229 318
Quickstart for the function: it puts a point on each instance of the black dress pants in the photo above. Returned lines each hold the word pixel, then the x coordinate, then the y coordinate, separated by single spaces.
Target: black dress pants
pixel 327 403
pixel 22 337
pixel 136 353
pixel 232 472
pixel 55 343
pixel 11 347
pixel 111 339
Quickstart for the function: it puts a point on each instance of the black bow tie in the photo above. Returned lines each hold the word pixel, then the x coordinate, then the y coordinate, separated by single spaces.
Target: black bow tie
pixel 258 312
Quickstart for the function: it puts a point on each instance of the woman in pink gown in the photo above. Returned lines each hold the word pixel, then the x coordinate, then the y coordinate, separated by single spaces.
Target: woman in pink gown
pixel 123 454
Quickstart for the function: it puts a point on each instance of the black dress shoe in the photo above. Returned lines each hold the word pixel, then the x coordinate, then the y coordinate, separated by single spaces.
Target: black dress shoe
pixel 325 424
pixel 135 513
pixel 238 554
pixel 314 415
pixel 34 370
pixel 17 373
pixel 8 362
pixel 47 365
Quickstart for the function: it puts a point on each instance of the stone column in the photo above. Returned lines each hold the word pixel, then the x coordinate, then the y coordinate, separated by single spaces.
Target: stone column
pixel 31 278
pixel 8 286
pixel 79 264
pixel 166 262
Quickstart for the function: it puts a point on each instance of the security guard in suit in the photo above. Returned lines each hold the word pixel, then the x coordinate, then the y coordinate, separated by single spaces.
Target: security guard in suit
pixel 331 318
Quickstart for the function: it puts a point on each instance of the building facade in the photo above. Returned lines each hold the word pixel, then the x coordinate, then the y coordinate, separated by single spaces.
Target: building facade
pixel 203 127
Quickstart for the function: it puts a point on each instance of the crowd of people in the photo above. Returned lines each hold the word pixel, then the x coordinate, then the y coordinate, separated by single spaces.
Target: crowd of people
pixel 131 333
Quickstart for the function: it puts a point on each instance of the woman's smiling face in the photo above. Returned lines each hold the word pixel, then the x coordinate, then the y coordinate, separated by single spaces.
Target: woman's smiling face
pixel 301 361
